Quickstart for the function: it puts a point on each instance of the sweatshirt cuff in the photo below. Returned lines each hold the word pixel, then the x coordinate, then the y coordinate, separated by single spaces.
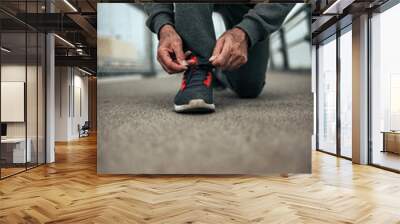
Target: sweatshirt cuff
pixel 160 20
pixel 252 29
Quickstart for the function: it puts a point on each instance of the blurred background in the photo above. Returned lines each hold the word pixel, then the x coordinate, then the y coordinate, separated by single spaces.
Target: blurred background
pixel 124 41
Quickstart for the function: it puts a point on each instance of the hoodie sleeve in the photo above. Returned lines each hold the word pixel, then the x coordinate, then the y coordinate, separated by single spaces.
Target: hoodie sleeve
pixel 263 20
pixel 159 15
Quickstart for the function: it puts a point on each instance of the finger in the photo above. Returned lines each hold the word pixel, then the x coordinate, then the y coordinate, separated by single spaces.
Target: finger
pixel 222 59
pixel 165 68
pixel 229 64
pixel 238 61
pixel 162 65
pixel 217 49
pixel 167 61
pixel 188 60
pixel 187 54
pixel 180 55
pixel 235 63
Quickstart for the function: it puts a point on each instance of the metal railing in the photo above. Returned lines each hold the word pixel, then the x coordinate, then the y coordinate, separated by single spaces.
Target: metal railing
pixel 299 16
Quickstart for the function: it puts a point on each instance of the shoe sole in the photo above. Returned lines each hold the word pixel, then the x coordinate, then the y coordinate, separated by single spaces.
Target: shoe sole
pixel 195 106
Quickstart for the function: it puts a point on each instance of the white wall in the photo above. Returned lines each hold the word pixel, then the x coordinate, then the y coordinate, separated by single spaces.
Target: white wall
pixel 80 83
pixel 17 73
pixel 12 100
pixel 62 82
pixel 11 73
pixel 70 81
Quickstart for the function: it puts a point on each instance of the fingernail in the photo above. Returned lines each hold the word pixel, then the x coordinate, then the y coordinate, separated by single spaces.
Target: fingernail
pixel 212 58
pixel 184 62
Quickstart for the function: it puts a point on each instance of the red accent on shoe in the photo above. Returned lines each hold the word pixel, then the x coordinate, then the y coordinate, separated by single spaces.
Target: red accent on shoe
pixel 193 60
pixel 183 84
pixel 207 81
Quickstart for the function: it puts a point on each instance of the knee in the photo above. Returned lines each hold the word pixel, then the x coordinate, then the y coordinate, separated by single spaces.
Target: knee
pixel 249 91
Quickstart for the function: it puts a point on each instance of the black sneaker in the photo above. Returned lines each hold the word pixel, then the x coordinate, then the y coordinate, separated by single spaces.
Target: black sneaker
pixel 196 93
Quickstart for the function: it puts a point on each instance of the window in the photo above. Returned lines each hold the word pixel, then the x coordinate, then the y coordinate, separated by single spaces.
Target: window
pixel 22 88
pixel 385 89
pixel 327 96
pixel 346 93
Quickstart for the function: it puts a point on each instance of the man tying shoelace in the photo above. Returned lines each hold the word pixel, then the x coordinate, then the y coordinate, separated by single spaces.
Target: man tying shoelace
pixel 238 59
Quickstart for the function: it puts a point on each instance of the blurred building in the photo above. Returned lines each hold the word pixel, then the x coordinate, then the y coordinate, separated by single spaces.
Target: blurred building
pixel 125 44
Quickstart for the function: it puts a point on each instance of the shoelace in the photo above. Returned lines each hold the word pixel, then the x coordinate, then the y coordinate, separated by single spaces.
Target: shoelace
pixel 196 75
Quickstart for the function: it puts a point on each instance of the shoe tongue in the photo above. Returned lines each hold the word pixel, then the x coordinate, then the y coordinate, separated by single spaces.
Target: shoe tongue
pixel 196 75
pixel 198 71
pixel 196 79
pixel 202 61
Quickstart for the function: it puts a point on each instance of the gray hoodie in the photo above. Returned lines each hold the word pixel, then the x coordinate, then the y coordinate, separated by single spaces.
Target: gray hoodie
pixel 259 22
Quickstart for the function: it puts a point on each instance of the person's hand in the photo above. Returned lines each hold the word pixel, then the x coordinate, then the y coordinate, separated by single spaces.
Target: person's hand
pixel 230 51
pixel 170 53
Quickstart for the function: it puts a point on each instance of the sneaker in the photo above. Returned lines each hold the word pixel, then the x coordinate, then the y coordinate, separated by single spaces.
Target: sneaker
pixel 196 92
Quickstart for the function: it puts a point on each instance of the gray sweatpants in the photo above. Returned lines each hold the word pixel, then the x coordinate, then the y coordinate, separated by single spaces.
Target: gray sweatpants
pixel 194 24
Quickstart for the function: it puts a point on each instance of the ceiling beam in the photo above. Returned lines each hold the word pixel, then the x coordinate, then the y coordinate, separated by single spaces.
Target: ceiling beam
pixel 82 61
pixel 84 24
pixel 337 7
